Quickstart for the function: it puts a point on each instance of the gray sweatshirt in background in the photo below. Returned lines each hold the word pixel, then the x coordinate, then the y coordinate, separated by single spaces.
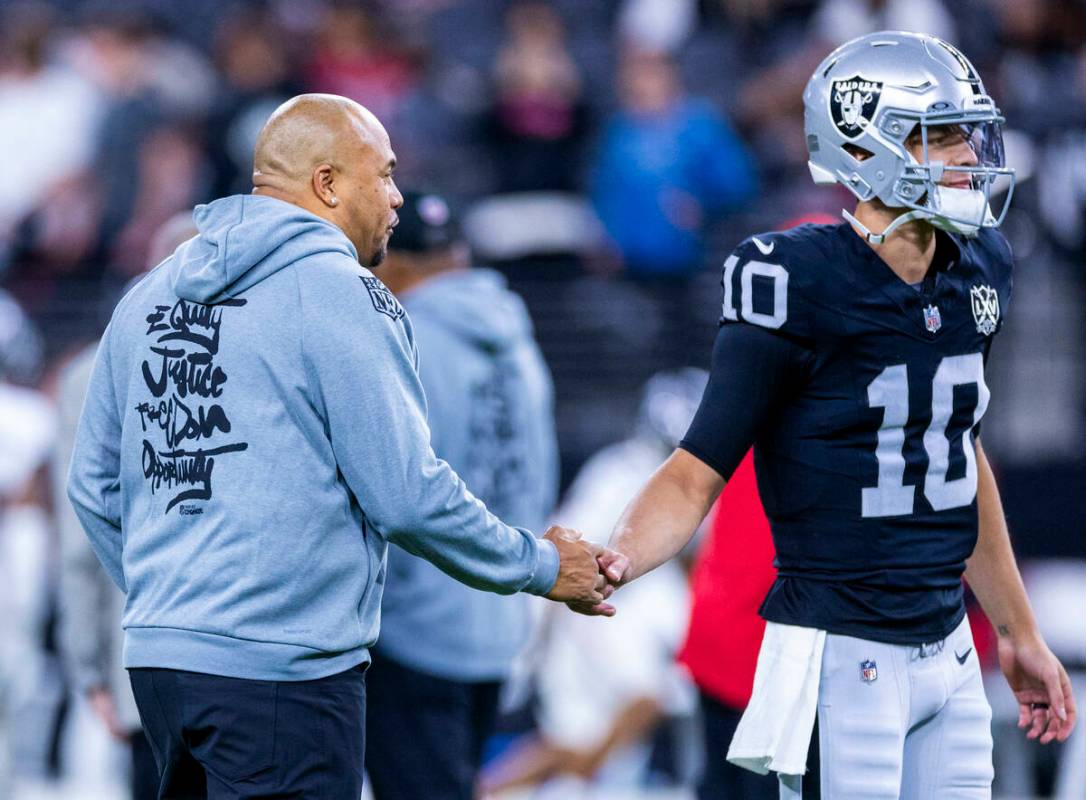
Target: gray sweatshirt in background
pixel 491 404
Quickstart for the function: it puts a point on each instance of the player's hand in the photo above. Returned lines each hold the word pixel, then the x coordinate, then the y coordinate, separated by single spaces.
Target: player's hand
pixel 615 568
pixel 580 581
pixel 1046 704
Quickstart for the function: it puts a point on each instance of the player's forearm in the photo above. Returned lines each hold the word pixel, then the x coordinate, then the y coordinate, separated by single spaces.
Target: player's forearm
pixel 663 516
pixel 991 571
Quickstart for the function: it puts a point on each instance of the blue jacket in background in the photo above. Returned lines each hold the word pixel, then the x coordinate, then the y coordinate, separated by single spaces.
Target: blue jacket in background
pixel 253 436
pixel 658 179
pixel 492 418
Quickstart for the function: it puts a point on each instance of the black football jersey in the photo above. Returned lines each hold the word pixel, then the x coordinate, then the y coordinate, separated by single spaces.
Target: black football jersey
pixel 869 396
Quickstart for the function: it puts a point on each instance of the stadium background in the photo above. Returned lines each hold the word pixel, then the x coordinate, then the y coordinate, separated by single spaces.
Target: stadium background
pixel 114 116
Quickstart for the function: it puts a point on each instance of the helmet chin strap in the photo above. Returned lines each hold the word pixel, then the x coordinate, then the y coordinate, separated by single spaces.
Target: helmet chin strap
pixel 879 238
pixel 956 208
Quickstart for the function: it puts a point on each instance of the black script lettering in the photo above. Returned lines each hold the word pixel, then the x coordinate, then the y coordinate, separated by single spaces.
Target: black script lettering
pixel 158 386
pixel 154 320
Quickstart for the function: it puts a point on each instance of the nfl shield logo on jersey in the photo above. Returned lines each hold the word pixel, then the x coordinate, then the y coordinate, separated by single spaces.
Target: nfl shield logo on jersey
pixel 985 304
pixel 869 671
pixel 932 321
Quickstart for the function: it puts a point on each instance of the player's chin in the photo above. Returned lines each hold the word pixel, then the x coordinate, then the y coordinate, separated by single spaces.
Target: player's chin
pixel 379 255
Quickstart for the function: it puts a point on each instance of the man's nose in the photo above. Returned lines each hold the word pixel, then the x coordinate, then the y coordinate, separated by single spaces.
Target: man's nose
pixel 396 199
pixel 964 155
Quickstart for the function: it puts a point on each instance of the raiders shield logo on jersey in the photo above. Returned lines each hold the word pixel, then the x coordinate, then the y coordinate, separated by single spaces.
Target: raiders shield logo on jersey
pixel 852 104
pixel 985 302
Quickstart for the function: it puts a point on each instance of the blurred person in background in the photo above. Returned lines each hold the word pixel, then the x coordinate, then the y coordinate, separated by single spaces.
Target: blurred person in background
pixel 605 690
pixel 666 166
pixel 538 118
pixel 27 429
pixel 48 117
pixel 255 413
pixel 90 603
pixel 446 648
pixel 254 58
pixel 659 26
pixel 149 163
pixel 357 55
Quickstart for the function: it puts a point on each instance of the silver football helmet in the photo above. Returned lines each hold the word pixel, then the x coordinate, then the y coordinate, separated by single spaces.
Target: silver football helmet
pixel 869 96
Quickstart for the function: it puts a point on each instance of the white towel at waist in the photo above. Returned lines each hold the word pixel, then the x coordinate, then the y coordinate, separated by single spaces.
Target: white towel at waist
pixel 775 731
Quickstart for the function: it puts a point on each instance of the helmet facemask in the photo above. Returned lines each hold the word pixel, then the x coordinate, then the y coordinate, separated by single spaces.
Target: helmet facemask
pixel 956 209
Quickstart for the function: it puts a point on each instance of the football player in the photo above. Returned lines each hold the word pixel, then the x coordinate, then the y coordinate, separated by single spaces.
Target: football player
pixel 852 357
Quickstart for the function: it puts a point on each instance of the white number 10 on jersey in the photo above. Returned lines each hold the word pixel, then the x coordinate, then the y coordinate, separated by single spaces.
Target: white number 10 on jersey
pixel 890 497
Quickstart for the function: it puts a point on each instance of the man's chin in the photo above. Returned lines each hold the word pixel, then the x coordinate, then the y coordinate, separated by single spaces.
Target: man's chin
pixel 378 258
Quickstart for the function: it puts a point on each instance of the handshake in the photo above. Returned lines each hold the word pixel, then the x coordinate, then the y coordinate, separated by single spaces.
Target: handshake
pixel 588 573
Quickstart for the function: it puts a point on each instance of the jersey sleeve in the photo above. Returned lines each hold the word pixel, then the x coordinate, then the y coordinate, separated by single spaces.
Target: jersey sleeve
pixel 753 373
pixel 766 283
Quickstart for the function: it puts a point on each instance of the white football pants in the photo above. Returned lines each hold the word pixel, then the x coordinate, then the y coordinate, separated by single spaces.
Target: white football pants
pixel 917 728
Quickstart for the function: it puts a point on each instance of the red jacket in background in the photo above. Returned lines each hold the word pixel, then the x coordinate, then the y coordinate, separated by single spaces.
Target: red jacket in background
pixel 731 578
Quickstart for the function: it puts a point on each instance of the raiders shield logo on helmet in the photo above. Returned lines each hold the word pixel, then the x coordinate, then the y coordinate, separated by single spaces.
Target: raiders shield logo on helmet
pixel 852 104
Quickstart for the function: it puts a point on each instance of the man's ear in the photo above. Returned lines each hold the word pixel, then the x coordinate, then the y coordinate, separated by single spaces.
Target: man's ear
pixel 324 185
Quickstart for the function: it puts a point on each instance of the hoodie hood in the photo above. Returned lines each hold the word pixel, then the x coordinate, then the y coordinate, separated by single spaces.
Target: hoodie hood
pixel 245 238
pixel 475 304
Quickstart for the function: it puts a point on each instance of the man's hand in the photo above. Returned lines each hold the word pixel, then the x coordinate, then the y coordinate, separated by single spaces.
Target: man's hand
pixel 1040 684
pixel 580 583
pixel 101 701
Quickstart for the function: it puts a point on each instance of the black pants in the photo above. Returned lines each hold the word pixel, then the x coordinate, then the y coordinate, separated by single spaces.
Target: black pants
pixel 723 780
pixel 425 735
pixel 233 739
pixel 144 784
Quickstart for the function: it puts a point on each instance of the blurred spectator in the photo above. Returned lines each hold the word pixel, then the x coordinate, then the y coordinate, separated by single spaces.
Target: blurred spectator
pixel 149 165
pixel 538 118
pixel 604 690
pixel 657 25
pixel 838 21
pixel 667 165
pixel 26 435
pixel 254 58
pixel 1039 78
pixel 357 58
pixel 21 355
pixel 445 648
pixel 48 116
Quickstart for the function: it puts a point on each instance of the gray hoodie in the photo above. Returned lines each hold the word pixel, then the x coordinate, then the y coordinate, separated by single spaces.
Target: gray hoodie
pixel 253 436
pixel 492 416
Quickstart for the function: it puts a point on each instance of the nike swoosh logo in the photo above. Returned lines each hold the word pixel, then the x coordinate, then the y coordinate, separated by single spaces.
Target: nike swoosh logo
pixel 765 248
pixel 961 658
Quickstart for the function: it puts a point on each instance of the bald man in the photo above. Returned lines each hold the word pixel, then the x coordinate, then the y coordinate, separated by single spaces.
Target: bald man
pixel 253 436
